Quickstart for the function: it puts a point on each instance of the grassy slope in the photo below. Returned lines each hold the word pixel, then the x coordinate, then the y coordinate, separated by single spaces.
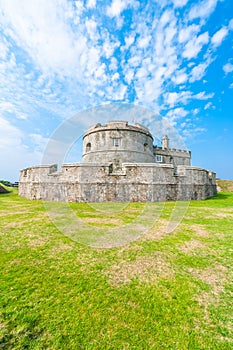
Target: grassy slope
pixel 225 185
pixel 4 189
pixel 164 291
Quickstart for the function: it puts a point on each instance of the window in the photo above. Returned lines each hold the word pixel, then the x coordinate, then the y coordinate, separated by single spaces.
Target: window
pixel 158 159
pixel 145 147
pixel 110 168
pixel 88 147
pixel 116 142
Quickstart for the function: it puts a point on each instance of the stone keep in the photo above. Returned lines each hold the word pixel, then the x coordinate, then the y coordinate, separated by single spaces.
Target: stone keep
pixel 120 163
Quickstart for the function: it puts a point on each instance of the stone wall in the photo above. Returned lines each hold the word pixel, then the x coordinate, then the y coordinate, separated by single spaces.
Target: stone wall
pixel 174 156
pixel 117 142
pixel 133 182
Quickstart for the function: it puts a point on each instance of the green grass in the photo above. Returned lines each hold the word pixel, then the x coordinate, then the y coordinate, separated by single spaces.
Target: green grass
pixel 163 291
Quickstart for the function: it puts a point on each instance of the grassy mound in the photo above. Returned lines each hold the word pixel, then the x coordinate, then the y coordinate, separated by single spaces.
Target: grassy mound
pixel 4 189
pixel 225 185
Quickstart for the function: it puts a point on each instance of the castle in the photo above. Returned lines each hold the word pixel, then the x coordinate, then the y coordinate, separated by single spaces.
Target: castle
pixel 120 163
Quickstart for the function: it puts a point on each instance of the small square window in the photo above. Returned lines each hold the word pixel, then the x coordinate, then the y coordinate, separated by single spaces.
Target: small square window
pixel 116 142
pixel 158 159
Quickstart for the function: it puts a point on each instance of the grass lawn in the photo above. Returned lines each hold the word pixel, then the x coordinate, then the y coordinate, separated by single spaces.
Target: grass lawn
pixel 163 291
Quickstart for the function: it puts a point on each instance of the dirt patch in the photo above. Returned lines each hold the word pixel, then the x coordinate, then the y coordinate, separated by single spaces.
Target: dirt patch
pixel 14 224
pixel 144 268
pixel 222 214
pixel 215 277
pixel 10 247
pixel 2 326
pixel 158 231
pixel 37 240
pixel 61 248
pixel 200 231
pixel 19 224
pixel 7 213
pixel 102 221
pixel 191 246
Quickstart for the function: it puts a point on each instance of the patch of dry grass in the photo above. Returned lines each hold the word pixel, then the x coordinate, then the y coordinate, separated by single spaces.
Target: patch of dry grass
pixel 215 277
pixel 191 246
pixel 225 185
pixel 144 268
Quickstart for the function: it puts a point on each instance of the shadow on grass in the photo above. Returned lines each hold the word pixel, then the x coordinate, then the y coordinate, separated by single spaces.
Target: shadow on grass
pixel 220 196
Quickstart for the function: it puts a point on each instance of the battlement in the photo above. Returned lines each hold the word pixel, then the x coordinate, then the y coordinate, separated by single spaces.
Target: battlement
pixel 118 125
pixel 172 149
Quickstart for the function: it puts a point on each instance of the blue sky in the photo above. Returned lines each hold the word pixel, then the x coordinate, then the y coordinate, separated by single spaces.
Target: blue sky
pixel 172 57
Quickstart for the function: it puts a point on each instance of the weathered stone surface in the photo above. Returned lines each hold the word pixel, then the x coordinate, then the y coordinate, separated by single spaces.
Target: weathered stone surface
pixel 120 170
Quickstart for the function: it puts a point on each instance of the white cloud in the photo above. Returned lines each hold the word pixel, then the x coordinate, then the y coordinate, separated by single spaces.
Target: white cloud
pixel 109 47
pixel 203 96
pixel 4 50
pixel 177 113
pixel 91 27
pixel 10 136
pixel 143 42
pixel 174 98
pixel 231 24
pixel 208 105
pixel 170 33
pixel 166 18
pixel 129 76
pixel 8 107
pixel 187 33
pixel 129 40
pixel 91 3
pixel 219 36
pixel 194 46
pixel 180 78
pixel 198 71
pixel 113 64
pixel 116 8
pixel 179 3
pixel 43 34
pixel 116 76
pixel 195 111
pixel 142 73
pixel 14 155
pixel 228 68
pixel 61 56
pixel 192 131
pixel 202 9
pixel 100 72
pixel 39 142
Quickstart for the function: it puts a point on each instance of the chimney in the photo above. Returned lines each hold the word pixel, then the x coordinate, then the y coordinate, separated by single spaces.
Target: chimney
pixel 165 142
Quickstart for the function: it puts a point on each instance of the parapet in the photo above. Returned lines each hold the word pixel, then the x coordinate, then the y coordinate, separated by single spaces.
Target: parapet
pixel 118 125
pixel 172 150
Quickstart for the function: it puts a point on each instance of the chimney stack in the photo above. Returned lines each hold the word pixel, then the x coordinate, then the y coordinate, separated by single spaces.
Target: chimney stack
pixel 165 142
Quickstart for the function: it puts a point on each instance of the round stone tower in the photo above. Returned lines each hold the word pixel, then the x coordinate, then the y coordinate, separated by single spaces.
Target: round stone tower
pixel 118 142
